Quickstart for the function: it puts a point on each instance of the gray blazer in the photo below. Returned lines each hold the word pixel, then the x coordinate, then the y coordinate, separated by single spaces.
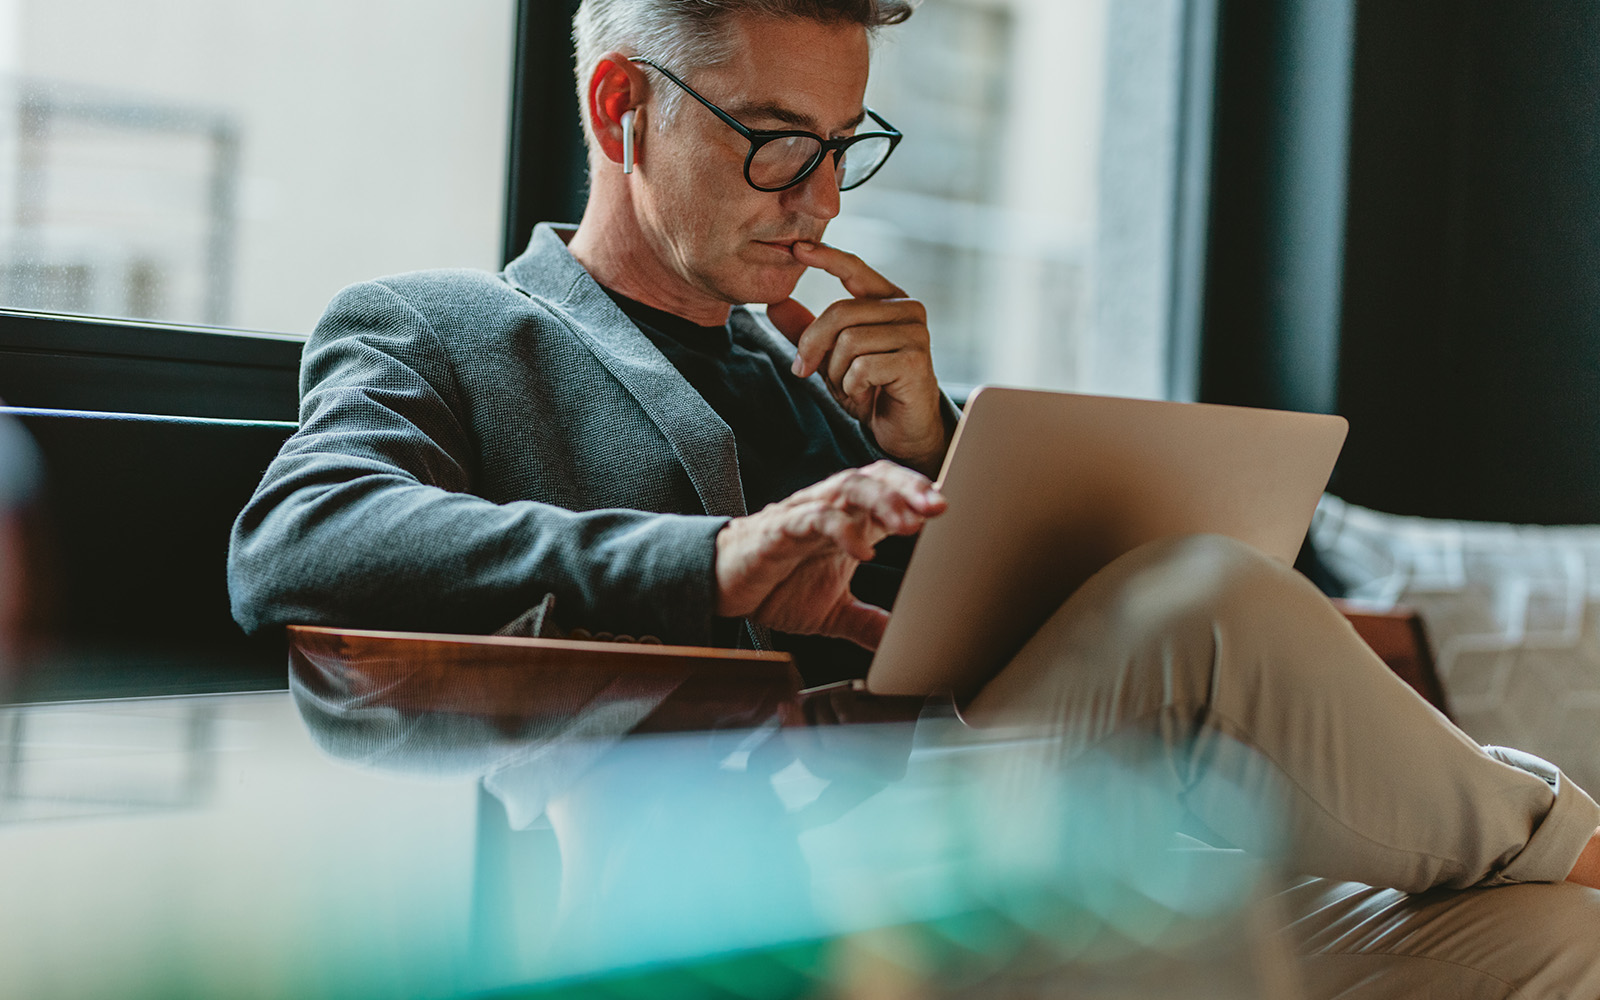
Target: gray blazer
pixel 473 445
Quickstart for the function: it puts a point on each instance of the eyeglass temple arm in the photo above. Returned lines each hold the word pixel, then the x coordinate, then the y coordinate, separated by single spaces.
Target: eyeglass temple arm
pixel 732 122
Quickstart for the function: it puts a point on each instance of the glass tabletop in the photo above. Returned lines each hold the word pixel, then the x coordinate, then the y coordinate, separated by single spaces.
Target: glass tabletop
pixel 341 841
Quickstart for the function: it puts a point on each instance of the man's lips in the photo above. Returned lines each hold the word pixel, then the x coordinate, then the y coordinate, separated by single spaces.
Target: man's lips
pixel 786 245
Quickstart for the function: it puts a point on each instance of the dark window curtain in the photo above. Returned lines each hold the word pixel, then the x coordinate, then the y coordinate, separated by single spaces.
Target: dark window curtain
pixel 1405 228
pixel 547 179
pixel 1271 313
pixel 1471 348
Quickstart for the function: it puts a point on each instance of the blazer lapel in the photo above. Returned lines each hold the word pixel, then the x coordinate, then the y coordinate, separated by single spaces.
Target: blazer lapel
pixel 702 441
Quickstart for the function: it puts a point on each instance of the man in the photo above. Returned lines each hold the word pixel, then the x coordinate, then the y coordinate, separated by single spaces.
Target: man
pixel 579 443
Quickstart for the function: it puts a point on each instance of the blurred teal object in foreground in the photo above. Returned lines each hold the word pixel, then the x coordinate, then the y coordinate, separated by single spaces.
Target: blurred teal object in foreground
pixel 981 870
pixel 205 847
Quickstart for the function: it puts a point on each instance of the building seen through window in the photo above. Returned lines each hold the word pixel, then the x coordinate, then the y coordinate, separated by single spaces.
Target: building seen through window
pixel 1031 204
pixel 234 164
pixel 227 164
pixel 121 207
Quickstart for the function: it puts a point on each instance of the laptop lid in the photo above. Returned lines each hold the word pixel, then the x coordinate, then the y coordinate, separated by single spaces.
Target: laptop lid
pixel 1045 488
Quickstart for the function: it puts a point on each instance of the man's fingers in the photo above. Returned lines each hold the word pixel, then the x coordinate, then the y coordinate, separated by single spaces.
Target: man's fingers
pixel 858 279
pixel 789 565
pixel 910 483
pixel 861 383
pixel 906 319
pixel 916 489
pixel 896 497
pixel 857 621
pixel 851 531
pixel 861 342
pixel 791 318
pixel 853 510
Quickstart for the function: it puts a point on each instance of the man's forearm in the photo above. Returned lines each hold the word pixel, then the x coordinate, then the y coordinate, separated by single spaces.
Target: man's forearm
pixel 378 552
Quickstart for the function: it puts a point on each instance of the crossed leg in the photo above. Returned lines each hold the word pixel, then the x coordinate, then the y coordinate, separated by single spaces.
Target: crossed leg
pixel 1251 688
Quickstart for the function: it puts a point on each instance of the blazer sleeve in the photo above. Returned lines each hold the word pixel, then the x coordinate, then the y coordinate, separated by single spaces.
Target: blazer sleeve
pixel 366 519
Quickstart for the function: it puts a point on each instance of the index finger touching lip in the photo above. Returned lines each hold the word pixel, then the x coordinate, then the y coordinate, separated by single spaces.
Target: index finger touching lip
pixel 858 279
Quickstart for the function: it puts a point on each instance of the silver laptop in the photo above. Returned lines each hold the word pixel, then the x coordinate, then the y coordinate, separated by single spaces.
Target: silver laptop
pixel 1045 488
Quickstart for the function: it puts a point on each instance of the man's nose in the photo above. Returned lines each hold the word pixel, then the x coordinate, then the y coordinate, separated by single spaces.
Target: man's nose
pixel 817 195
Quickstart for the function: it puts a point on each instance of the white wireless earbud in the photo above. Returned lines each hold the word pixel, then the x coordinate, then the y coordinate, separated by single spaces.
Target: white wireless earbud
pixel 627 141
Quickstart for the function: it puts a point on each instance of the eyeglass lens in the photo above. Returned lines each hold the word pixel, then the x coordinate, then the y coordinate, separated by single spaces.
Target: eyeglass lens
pixel 777 163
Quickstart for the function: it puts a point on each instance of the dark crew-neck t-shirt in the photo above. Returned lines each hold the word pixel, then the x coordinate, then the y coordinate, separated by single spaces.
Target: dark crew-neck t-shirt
pixel 784 444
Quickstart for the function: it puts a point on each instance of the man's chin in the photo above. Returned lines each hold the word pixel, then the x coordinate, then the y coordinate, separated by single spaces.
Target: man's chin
pixel 768 285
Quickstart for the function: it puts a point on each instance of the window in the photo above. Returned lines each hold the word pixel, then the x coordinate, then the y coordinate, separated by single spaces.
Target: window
pixel 228 163
pixel 1032 203
pixel 237 163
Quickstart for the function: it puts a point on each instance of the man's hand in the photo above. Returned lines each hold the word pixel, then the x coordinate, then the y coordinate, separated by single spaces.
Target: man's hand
pixel 872 351
pixel 789 566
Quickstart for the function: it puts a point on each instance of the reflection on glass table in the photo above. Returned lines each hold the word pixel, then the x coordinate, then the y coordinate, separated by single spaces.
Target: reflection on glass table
pixel 357 838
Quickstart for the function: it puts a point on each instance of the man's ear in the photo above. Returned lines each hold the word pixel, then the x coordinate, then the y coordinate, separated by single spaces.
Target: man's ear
pixel 616 87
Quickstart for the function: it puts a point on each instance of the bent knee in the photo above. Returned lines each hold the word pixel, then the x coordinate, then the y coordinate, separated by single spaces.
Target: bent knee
pixel 1164 618
pixel 1194 577
pixel 1163 598
pixel 1218 558
pixel 1205 602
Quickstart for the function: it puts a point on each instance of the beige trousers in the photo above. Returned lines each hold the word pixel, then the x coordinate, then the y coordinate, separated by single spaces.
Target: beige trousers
pixel 1429 857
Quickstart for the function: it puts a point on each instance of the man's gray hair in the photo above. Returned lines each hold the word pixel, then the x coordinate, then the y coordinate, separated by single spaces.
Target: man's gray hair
pixel 686 35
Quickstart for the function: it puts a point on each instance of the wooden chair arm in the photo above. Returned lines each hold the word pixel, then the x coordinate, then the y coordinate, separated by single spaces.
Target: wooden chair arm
pixel 1401 641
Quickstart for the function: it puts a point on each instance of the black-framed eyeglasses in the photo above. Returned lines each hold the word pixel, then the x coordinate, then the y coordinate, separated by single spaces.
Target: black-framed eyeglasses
pixel 781 159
